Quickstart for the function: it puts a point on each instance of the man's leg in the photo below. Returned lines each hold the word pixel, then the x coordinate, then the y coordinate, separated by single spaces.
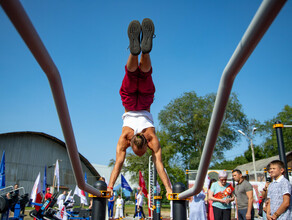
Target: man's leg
pixel 241 214
pixel 132 63
pixel 129 86
pixel 146 88
pixel 142 212
pixel 145 62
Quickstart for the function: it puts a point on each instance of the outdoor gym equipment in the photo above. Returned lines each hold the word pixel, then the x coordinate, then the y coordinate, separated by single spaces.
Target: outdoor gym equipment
pixel 262 20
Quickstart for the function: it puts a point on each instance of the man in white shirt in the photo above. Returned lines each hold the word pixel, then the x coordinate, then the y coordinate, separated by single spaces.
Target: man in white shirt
pixel 139 205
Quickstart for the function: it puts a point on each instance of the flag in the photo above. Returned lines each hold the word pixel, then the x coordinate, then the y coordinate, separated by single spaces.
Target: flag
pixel 142 184
pixel 45 181
pixel 125 184
pixel 36 193
pixel 81 194
pixel 68 196
pixel 158 189
pixel 57 174
pixel 2 171
pixel 85 178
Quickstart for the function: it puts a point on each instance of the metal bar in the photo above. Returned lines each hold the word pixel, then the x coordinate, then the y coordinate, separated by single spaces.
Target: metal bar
pixel 281 148
pixel 287 126
pixel 25 28
pixel 263 18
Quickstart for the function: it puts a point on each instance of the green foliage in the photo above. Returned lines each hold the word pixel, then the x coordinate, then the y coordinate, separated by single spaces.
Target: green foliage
pixel 185 121
pixel 270 146
pixel 230 164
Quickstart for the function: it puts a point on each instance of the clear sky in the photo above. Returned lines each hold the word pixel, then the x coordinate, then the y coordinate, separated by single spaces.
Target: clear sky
pixel 88 42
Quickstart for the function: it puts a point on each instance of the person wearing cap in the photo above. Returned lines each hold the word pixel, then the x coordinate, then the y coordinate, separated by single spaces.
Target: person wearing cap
pixel 48 193
pixel 221 193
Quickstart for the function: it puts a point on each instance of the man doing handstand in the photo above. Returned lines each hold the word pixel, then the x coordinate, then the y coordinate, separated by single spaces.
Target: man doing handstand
pixel 137 94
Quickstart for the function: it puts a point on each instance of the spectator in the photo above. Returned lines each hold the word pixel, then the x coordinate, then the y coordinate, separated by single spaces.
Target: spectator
pixel 210 202
pixel 139 204
pixel 279 193
pixel 265 200
pixel 111 202
pixel 136 194
pixel 222 196
pixel 14 193
pixel 198 207
pixel 48 193
pixel 61 199
pixel 119 207
pixel 244 197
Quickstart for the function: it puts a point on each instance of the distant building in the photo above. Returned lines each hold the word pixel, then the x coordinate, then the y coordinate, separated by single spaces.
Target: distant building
pixel 105 171
pixel 261 164
pixel 27 154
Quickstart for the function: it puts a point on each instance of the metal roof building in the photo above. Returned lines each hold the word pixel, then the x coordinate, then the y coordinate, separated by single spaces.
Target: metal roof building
pixel 27 154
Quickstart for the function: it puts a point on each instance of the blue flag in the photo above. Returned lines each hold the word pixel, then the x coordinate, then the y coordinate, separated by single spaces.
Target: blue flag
pixel 2 171
pixel 45 181
pixel 85 178
pixel 125 184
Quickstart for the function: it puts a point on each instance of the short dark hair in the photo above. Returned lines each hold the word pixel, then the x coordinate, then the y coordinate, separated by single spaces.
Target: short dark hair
pixel 277 162
pixel 138 140
pixel 237 170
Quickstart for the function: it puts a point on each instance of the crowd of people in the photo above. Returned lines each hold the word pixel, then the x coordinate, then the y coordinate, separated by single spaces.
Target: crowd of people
pixel 120 206
pixel 276 201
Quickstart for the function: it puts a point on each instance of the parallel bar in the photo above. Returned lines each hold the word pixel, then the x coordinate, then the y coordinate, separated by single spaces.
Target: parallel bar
pixel 25 28
pixel 263 18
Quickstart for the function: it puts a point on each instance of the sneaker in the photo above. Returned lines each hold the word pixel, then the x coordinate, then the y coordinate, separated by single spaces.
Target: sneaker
pixel 134 31
pixel 147 35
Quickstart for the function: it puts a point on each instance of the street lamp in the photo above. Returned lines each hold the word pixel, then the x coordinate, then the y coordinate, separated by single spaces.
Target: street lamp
pixel 252 150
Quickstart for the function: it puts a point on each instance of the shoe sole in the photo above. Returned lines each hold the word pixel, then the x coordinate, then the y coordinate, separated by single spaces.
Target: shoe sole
pixel 147 35
pixel 134 31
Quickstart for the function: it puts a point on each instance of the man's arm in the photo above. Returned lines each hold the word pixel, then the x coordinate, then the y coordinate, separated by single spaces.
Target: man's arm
pixel 156 157
pixel 249 195
pixel 120 157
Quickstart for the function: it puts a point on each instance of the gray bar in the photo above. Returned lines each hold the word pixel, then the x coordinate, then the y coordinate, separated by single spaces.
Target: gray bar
pixel 262 20
pixel 25 28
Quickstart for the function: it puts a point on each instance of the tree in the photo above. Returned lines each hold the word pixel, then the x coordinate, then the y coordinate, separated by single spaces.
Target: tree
pixel 270 146
pixel 185 122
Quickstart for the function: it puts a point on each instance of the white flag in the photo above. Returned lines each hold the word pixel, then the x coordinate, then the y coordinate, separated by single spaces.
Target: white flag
pixel 37 188
pixel 68 196
pixel 57 174
pixel 81 194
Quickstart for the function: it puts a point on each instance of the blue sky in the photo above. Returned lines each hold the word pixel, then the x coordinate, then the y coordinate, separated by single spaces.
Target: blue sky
pixel 88 42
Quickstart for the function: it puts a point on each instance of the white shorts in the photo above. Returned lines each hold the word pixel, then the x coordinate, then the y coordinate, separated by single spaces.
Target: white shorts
pixel 138 120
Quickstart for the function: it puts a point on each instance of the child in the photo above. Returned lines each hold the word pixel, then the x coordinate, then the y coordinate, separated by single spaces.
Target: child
pixel 119 208
pixel 279 193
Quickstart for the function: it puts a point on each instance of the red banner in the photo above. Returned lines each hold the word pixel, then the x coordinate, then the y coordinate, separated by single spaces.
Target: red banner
pixel 142 184
pixel 227 192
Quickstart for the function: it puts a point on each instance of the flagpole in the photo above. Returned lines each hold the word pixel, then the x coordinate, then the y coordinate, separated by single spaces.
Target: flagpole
pixel 121 188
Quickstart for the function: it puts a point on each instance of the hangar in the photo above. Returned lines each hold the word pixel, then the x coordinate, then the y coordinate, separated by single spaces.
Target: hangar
pixel 28 153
